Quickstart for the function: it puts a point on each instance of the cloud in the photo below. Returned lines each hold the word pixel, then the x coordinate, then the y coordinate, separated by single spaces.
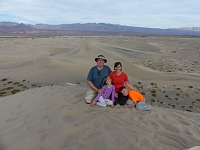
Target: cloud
pixel 154 13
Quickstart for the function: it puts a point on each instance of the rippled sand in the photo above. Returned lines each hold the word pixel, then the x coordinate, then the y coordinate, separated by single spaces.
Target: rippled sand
pixel 47 109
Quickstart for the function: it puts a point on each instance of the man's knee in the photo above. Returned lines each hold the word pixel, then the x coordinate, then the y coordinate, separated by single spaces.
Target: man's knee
pixel 88 101
pixel 90 95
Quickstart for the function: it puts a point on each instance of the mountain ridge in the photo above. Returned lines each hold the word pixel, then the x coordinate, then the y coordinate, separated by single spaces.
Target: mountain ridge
pixel 17 29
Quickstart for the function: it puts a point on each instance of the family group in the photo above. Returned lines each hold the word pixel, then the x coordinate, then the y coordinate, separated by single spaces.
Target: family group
pixel 111 88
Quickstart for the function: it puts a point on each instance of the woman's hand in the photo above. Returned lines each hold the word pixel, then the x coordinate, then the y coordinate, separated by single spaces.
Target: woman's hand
pixel 116 95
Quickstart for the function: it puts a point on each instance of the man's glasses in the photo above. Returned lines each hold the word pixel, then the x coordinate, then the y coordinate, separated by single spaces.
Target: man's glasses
pixel 99 72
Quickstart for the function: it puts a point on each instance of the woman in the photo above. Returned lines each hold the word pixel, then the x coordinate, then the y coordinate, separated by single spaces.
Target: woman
pixel 119 79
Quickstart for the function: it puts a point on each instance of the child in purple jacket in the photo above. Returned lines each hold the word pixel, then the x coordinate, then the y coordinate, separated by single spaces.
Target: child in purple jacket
pixel 108 91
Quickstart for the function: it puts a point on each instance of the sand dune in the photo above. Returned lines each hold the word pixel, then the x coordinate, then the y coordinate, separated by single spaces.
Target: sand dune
pixel 66 55
pixel 56 116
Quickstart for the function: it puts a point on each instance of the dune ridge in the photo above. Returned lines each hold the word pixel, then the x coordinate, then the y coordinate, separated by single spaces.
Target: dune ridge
pixel 56 117
pixel 51 113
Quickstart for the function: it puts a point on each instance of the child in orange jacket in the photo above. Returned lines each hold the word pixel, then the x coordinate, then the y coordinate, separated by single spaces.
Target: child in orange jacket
pixel 136 99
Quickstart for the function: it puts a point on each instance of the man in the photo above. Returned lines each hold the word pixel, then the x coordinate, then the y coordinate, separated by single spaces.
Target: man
pixel 95 78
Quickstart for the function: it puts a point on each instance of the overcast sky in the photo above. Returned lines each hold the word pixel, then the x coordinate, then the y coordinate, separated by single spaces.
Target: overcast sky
pixel 141 13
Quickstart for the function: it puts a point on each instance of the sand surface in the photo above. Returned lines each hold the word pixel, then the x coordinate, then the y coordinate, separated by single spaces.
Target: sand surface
pixel 43 83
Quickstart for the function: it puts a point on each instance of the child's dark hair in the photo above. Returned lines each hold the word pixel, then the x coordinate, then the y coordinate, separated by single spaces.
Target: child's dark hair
pixel 121 88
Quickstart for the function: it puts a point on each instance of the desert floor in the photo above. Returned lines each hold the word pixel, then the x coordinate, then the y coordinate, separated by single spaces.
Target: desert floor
pixel 43 83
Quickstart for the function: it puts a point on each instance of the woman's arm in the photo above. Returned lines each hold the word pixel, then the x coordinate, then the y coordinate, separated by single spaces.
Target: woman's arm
pixel 127 84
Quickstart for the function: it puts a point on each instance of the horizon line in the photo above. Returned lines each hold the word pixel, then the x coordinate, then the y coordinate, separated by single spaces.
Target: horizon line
pixel 97 23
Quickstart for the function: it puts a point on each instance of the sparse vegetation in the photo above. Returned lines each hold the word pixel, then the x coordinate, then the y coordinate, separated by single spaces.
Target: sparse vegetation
pixel 15 91
pixel 4 79
pixel 2 93
pixel 14 87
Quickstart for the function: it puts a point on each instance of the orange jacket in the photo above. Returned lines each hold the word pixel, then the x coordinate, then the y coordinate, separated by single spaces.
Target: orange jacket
pixel 135 96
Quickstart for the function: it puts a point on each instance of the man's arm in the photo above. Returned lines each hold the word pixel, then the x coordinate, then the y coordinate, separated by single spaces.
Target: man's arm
pixel 93 87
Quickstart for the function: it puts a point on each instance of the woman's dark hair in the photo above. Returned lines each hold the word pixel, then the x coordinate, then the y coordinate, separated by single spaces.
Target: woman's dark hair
pixel 116 64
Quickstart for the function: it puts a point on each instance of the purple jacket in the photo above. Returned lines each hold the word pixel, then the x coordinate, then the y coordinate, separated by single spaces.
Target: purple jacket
pixel 106 93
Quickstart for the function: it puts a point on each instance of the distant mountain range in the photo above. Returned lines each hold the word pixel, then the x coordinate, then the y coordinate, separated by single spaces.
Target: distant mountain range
pixel 20 29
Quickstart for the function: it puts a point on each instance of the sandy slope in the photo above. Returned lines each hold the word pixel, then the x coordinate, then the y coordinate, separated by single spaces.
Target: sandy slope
pixel 56 117
pixel 69 59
